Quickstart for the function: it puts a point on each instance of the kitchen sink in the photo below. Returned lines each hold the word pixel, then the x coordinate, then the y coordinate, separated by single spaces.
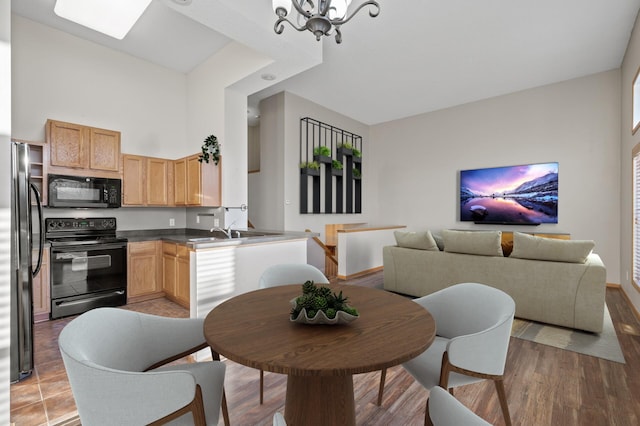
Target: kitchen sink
pixel 202 240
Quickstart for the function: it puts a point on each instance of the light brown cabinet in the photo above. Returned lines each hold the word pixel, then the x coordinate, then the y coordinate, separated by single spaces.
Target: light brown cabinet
pixel 196 183
pixel 146 181
pixel 176 273
pixel 144 273
pixel 157 182
pixel 41 289
pixel 75 146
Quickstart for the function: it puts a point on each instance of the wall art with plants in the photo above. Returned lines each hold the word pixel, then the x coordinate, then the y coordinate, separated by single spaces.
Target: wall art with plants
pixel 330 169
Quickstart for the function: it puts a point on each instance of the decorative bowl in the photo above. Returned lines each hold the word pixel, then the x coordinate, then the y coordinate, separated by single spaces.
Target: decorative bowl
pixel 341 317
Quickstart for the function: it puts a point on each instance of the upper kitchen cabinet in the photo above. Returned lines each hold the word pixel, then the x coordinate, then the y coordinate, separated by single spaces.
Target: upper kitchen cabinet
pixel 146 181
pixel 80 149
pixel 196 183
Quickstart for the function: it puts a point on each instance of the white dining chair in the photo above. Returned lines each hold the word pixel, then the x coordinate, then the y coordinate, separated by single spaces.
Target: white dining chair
pixel 114 360
pixel 288 273
pixel 278 419
pixel 445 410
pixel 473 328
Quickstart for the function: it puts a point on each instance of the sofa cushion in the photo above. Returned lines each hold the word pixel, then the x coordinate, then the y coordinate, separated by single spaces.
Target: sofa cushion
pixel 484 243
pixel 540 248
pixel 416 240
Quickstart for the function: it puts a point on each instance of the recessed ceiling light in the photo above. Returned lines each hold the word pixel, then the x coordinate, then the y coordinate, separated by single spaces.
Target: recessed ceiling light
pixel 183 2
pixel 268 77
pixel 111 17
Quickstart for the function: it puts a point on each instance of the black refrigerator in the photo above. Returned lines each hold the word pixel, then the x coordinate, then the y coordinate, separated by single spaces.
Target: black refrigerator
pixel 24 197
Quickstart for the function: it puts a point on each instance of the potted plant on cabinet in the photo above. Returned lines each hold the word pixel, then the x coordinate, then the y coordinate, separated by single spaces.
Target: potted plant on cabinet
pixel 210 150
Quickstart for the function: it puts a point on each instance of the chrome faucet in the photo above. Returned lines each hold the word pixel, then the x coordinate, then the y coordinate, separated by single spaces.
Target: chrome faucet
pixel 226 231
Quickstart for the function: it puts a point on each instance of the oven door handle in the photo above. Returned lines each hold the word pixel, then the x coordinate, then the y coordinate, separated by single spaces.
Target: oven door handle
pixel 87 247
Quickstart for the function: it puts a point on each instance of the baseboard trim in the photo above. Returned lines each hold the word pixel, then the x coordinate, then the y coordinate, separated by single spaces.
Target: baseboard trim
pixel 629 302
pixel 361 273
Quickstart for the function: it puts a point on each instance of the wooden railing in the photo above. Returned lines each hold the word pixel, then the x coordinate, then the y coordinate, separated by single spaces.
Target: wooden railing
pixel 331 263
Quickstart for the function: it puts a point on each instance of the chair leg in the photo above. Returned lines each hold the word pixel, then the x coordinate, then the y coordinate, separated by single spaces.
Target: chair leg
pixel 261 386
pixel 225 410
pixel 427 418
pixel 383 376
pixel 503 400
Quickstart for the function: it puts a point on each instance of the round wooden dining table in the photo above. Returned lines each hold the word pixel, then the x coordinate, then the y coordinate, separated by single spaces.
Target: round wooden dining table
pixel 254 329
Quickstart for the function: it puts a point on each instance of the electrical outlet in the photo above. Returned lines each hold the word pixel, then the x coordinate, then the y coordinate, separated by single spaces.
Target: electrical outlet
pixel 172 222
pixel 197 219
pixel 216 222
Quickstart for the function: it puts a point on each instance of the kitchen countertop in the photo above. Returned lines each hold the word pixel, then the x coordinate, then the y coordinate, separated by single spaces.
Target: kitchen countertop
pixel 201 239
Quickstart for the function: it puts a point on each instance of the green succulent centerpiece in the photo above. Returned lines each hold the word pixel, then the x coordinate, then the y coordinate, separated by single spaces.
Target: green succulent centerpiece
pixel 319 305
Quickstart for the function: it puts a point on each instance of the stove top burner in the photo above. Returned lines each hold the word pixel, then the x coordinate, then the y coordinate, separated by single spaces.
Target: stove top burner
pixel 81 231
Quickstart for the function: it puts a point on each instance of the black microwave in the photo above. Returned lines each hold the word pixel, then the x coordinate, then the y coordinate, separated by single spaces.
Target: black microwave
pixel 85 192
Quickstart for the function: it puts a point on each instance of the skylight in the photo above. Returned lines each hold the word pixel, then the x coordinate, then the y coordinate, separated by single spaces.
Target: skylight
pixel 111 17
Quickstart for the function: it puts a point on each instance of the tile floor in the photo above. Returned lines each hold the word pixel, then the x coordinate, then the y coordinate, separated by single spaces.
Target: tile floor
pixel 45 398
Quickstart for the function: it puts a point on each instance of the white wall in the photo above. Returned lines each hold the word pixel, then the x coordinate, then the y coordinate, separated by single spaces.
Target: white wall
pixel 60 76
pixel 417 160
pixel 266 188
pixel 629 68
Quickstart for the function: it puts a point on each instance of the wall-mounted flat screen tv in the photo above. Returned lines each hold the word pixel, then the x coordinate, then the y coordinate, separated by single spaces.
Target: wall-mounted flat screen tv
pixel 519 195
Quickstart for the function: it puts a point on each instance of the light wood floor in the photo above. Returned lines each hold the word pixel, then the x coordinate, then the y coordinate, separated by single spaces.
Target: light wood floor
pixel 544 385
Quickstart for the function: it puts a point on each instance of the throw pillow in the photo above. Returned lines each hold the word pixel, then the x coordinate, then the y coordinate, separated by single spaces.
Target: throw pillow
pixel 540 248
pixel 484 243
pixel 415 240
pixel 439 240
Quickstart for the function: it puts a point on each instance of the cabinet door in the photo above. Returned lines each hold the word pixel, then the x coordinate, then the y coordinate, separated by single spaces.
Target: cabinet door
pixel 194 182
pixel 41 290
pixel 104 149
pixel 169 269
pixel 66 144
pixel 142 269
pixel 132 180
pixel 157 188
pixel 183 283
pixel 180 182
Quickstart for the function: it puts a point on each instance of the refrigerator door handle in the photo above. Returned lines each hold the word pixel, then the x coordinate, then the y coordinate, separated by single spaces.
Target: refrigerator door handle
pixel 41 229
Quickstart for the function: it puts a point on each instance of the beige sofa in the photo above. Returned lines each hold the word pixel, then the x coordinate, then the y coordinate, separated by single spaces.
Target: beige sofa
pixel 568 294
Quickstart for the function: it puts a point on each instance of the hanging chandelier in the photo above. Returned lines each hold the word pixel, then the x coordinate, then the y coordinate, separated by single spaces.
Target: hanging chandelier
pixel 321 17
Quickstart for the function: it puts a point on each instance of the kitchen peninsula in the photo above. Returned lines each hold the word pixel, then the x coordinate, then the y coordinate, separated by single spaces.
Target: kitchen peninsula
pixel 214 266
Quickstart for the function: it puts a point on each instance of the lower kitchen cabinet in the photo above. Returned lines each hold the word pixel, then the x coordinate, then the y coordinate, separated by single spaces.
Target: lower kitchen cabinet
pixel 144 271
pixel 41 290
pixel 176 276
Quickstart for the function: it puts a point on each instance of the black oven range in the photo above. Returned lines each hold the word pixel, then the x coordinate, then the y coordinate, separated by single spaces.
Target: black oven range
pixel 88 265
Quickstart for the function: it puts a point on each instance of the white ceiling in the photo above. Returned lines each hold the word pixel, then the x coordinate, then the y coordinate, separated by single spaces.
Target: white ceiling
pixel 416 56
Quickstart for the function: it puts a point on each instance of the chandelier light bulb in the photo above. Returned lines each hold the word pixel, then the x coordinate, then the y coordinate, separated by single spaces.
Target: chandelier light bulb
pixel 338 9
pixel 283 5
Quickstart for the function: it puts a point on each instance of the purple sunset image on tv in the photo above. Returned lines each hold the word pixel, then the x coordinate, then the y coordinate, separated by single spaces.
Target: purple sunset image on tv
pixel 523 195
